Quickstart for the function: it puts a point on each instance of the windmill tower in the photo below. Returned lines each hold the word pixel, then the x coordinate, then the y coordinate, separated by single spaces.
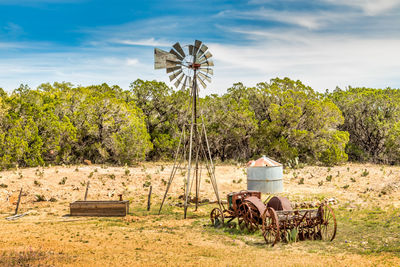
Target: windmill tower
pixel 190 66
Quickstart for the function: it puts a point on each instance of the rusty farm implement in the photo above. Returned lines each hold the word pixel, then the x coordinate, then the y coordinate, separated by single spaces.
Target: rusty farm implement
pixel 276 219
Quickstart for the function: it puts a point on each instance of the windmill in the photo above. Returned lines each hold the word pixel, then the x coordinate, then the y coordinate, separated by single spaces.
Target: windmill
pixel 187 67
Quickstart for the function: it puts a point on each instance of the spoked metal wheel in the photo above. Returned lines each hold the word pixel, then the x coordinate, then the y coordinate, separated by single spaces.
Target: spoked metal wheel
pixel 242 210
pixel 249 214
pixel 328 223
pixel 270 226
pixel 217 217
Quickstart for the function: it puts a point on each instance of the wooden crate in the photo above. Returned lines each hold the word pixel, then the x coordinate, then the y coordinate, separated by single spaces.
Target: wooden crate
pixel 99 208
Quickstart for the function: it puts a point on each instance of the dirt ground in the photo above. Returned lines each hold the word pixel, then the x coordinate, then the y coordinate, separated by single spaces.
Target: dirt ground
pixel 364 195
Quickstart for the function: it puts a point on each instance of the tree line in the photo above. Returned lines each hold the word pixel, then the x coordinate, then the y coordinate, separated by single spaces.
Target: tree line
pixel 284 119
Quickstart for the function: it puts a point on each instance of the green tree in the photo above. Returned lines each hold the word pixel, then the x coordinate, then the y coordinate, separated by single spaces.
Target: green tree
pixel 371 118
pixel 108 128
pixel 165 112
pixel 299 122
pixel 230 126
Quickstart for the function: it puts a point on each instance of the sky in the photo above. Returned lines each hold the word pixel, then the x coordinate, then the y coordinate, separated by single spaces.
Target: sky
pixel 323 43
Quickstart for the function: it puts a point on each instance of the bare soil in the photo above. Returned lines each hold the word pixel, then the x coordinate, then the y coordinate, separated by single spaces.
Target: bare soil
pixel 366 197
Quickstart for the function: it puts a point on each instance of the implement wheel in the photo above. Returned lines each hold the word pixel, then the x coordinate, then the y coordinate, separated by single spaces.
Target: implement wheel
pixel 249 214
pixel 328 222
pixel 270 226
pixel 217 217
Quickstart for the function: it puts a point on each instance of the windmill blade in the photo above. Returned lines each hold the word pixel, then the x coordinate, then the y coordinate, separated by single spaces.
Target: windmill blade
pixel 179 80
pixel 197 45
pixel 190 82
pixel 204 77
pixel 208 63
pixel 172 51
pixel 205 56
pixel 202 50
pixel 184 83
pixel 208 70
pixel 172 63
pixel 174 75
pixel 173 69
pixel 160 58
pixel 191 47
pixel 202 82
pixel 179 49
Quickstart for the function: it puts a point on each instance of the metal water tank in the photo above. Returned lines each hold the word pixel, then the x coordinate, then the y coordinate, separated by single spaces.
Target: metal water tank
pixel 265 175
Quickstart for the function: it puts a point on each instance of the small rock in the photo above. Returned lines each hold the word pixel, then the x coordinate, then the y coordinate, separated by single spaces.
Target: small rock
pixel 87 162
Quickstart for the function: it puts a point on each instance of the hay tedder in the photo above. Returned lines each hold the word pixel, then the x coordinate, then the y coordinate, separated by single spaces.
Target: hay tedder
pixel 276 219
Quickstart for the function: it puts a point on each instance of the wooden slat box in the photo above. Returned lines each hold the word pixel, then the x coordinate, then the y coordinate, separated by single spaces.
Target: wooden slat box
pixel 99 208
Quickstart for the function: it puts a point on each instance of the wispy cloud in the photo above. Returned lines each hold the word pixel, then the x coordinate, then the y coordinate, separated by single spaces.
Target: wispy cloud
pixel 144 42
pixel 33 2
pixel 310 20
pixel 369 7
pixel 324 43
pixel 80 68
pixel 323 62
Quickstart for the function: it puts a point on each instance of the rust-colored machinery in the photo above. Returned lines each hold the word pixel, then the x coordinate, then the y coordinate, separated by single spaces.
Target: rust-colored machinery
pixel 239 204
pixel 277 220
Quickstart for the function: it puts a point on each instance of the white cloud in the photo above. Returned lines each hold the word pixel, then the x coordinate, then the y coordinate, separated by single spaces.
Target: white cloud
pixel 308 20
pixel 143 42
pixel 8 45
pixel 324 49
pixel 33 2
pixel 132 61
pixel 369 7
pixel 80 68
pixel 323 62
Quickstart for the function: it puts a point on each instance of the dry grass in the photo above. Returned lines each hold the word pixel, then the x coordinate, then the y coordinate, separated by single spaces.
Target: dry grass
pixel 366 236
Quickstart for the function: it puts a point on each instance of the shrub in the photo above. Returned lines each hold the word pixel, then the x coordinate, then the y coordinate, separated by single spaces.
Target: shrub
pixel 365 173
pixel 63 180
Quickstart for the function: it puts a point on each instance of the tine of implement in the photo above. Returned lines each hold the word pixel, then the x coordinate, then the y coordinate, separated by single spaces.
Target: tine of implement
pixel 173 69
pixel 172 51
pixel 179 49
pixel 174 75
pixel 197 45
pixel 191 50
pixel 202 82
pixel 205 77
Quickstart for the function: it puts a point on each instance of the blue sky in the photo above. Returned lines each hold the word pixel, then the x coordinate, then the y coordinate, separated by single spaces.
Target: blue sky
pixel 324 43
